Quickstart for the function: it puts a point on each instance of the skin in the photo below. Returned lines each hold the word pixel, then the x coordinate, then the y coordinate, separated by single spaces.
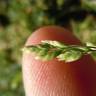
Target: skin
pixel 57 78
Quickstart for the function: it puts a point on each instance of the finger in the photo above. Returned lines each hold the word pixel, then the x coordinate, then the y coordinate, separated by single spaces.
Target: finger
pixel 56 78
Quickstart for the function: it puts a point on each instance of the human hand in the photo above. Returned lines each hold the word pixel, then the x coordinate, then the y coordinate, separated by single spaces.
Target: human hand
pixel 56 78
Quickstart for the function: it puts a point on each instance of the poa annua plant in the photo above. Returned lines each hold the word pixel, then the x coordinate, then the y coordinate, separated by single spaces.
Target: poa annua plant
pixel 49 50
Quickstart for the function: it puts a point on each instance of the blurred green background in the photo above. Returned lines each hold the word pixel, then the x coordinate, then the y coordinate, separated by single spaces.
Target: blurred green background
pixel 19 18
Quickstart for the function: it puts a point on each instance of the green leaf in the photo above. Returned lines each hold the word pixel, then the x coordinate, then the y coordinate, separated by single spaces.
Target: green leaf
pixel 42 52
pixel 70 56
pixel 29 49
pixel 48 55
pixel 54 43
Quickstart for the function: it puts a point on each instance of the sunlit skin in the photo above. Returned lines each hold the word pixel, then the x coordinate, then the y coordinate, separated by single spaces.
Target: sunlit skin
pixel 56 78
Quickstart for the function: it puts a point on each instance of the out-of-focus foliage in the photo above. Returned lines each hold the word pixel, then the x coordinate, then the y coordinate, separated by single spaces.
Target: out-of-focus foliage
pixel 89 4
pixel 19 18
pixel 86 30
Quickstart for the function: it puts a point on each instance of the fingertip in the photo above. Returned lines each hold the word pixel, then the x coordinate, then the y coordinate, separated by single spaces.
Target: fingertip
pixel 56 78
